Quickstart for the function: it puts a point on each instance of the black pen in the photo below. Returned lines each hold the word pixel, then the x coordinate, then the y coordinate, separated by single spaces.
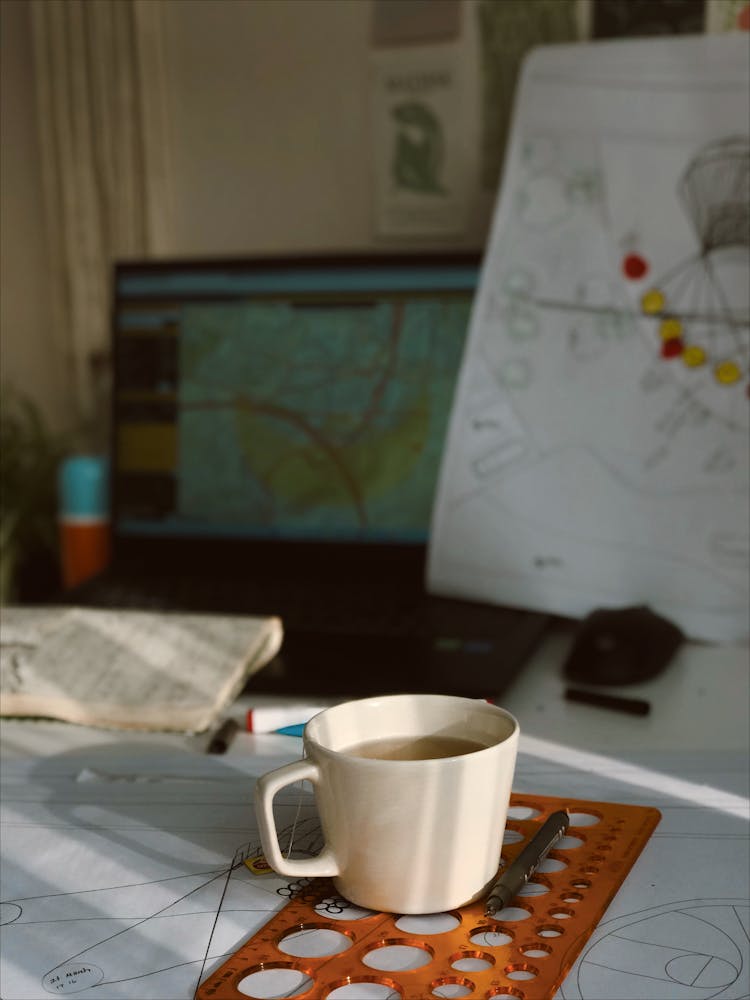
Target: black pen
pixel 520 871
pixel 219 742
pixel 633 706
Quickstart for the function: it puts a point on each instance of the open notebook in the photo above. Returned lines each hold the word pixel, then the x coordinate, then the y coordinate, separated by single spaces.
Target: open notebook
pixel 278 425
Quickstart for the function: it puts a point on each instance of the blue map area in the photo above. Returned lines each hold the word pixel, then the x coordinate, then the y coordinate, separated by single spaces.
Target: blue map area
pixel 316 421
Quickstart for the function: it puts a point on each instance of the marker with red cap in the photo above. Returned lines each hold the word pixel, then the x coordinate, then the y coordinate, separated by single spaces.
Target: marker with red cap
pixel 288 719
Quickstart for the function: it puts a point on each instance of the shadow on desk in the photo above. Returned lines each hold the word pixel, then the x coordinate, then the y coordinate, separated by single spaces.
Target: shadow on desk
pixel 136 868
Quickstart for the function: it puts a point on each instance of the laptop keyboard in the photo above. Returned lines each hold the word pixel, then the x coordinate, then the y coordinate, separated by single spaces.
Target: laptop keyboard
pixel 346 609
pixel 410 643
pixel 299 604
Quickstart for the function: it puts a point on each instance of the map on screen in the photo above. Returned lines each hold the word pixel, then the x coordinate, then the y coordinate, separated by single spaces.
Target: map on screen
pixel 314 419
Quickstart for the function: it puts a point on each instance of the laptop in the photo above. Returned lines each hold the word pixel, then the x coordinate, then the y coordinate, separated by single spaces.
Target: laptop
pixel 277 431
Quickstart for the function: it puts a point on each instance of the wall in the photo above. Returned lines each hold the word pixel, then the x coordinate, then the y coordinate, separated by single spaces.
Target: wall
pixel 272 90
pixel 271 151
pixel 28 354
pixel 271 132
pixel 271 137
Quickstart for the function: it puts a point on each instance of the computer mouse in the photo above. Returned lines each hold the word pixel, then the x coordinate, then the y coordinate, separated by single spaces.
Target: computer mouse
pixel 621 646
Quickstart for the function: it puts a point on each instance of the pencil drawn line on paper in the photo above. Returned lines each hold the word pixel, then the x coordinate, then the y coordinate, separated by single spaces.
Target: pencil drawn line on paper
pixel 610 338
pixel 692 948
pixel 194 906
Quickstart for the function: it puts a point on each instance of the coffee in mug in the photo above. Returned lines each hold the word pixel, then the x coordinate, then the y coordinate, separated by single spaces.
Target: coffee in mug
pixel 419 748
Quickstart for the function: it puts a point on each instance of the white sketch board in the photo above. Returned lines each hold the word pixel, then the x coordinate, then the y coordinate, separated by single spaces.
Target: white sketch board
pixel 597 454
pixel 123 874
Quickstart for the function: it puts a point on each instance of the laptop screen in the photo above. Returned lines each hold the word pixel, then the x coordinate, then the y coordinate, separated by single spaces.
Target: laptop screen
pixel 297 399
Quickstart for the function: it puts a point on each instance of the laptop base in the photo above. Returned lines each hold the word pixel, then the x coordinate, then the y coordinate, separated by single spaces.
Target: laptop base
pixel 417 642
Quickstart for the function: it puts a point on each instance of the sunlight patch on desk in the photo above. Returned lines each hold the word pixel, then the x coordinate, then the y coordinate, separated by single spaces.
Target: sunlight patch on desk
pixel 643 777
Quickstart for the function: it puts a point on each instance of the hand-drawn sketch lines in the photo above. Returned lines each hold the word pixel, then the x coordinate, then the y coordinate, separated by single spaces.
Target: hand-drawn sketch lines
pixel 700 308
pixel 164 934
pixel 598 448
pixel 138 891
pixel 693 949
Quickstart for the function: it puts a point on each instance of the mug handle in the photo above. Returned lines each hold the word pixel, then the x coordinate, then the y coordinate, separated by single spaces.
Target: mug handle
pixel 266 787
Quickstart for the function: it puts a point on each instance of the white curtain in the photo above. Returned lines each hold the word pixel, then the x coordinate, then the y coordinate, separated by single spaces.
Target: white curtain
pixel 100 81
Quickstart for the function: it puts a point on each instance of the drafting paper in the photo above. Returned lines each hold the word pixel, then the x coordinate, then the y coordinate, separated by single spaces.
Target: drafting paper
pixel 598 447
pixel 678 927
pixel 123 870
pixel 124 875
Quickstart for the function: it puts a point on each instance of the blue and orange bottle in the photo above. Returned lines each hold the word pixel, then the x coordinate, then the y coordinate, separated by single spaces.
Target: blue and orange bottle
pixel 84 522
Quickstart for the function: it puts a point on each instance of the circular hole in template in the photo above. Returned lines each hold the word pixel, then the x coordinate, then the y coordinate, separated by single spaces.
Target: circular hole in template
pixel 311 941
pixel 603 847
pixel 364 988
pixel 511 836
pixel 549 931
pixel 534 887
pixel 490 938
pixel 597 858
pixel 505 991
pixel 561 912
pixel 451 986
pixel 552 864
pixel 521 972
pixel 274 980
pixel 511 914
pixel 523 812
pixel 583 819
pixel 581 883
pixel 428 923
pixel 334 908
pixel 471 961
pixel 590 870
pixel 536 951
pixel 569 843
pixel 571 897
pixel 395 956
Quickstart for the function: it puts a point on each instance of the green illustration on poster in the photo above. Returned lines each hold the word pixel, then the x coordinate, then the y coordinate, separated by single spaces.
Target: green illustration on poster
pixel 418 149
pixel 423 170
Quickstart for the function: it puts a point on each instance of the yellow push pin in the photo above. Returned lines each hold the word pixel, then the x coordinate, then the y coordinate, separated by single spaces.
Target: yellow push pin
pixel 727 372
pixel 670 328
pixel 652 302
pixel 694 356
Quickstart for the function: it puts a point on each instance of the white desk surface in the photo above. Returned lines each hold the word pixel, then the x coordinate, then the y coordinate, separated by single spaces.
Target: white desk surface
pixel 76 839
pixel 700 701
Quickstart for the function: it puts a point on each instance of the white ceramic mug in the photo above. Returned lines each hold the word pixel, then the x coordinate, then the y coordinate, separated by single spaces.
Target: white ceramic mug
pixel 402 836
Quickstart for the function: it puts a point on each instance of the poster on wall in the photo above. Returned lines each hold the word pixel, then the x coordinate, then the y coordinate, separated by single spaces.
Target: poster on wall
pixel 422 174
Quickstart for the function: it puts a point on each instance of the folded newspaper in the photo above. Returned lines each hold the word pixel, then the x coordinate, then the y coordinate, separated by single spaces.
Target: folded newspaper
pixel 128 669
